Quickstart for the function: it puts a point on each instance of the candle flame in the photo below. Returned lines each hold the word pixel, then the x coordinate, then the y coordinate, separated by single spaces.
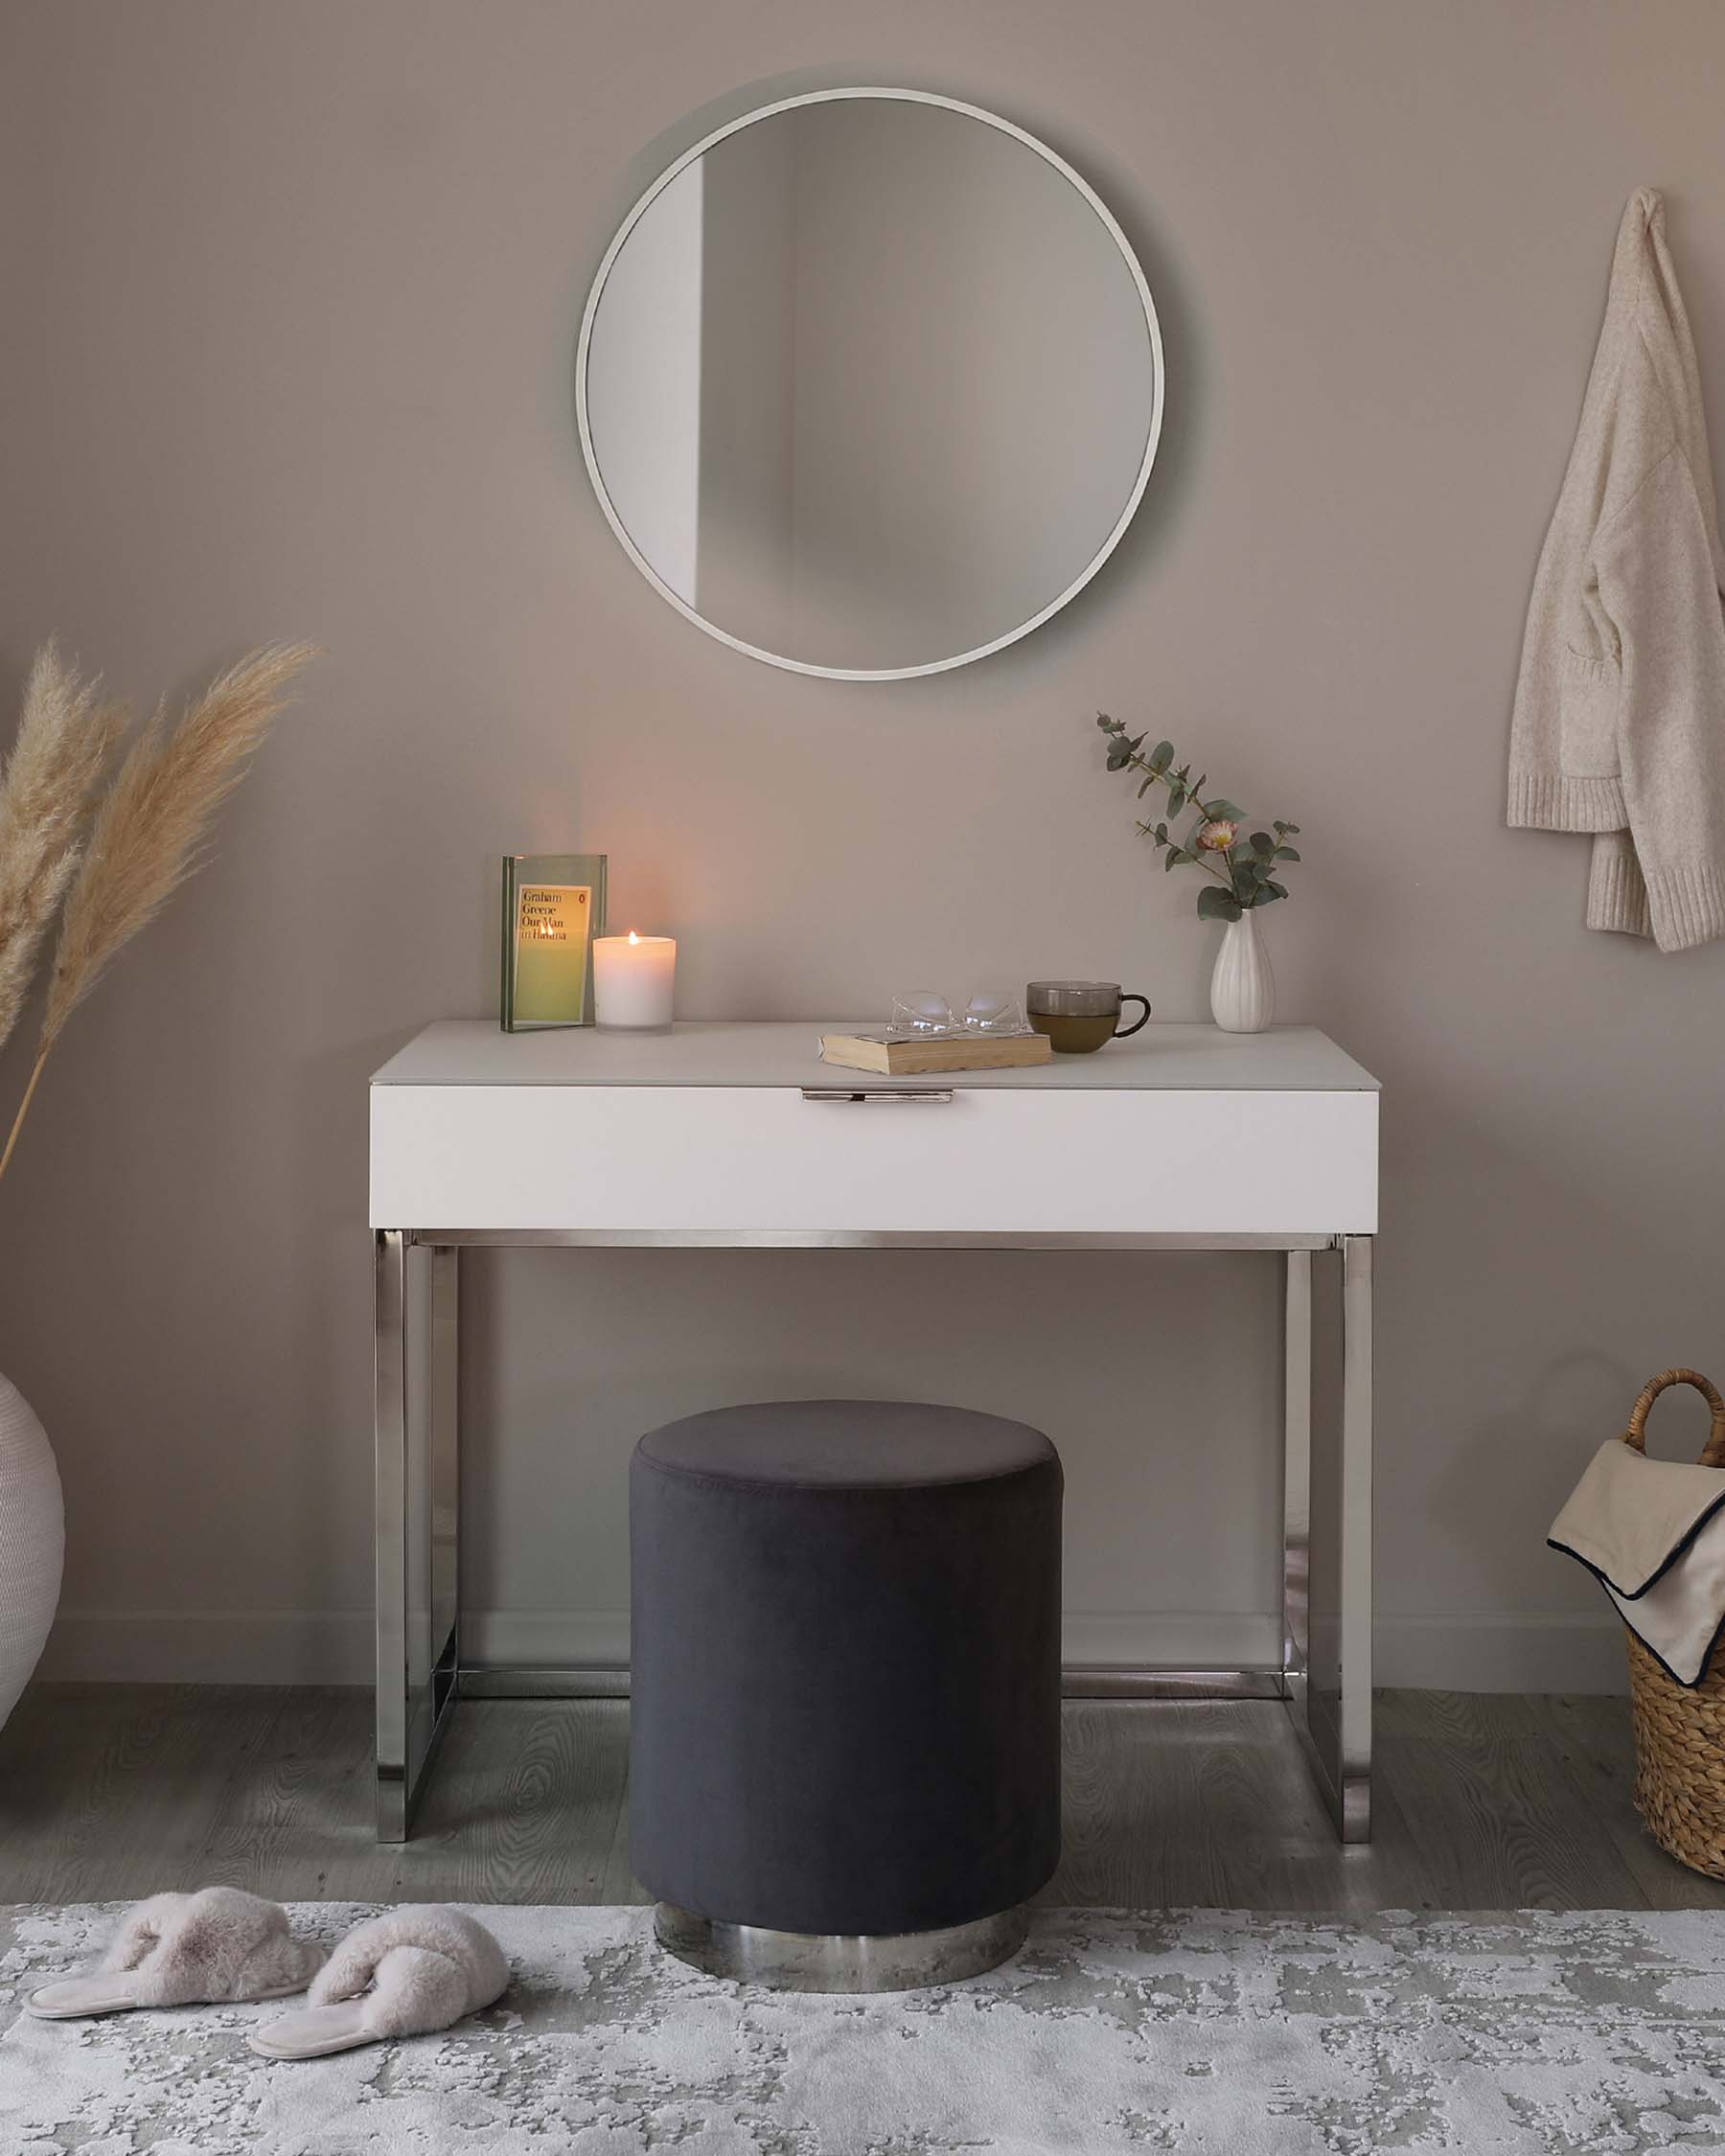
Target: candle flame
pixel 632 938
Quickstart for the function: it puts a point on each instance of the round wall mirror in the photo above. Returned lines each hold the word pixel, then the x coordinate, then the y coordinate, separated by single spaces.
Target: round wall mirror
pixel 869 384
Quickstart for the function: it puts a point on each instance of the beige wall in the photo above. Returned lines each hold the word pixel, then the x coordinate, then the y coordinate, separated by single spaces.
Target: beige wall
pixel 291 298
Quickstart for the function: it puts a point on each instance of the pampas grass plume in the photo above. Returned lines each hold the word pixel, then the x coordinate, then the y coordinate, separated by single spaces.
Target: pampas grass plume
pixel 151 830
pixel 66 735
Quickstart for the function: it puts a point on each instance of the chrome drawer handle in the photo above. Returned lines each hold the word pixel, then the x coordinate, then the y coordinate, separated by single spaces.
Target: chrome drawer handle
pixel 922 1095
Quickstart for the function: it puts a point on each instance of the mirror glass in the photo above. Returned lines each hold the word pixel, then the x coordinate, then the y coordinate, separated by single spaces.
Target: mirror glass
pixel 869 384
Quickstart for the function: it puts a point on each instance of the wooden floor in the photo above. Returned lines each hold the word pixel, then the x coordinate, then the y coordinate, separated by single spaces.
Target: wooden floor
pixel 1484 1801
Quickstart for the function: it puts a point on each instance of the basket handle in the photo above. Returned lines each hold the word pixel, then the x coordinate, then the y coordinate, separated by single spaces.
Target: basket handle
pixel 1713 1453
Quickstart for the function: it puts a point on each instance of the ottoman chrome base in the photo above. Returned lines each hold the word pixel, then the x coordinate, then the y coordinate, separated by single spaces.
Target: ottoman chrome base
pixel 840 1961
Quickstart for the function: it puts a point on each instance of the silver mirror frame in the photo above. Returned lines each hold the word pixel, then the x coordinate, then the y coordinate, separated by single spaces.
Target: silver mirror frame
pixel 582 418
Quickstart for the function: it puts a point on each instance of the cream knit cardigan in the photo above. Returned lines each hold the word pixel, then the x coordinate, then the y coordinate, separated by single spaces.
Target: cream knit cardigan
pixel 1620 709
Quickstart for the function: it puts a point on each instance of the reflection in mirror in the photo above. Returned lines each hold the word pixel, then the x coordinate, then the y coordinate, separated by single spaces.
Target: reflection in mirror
pixel 870 383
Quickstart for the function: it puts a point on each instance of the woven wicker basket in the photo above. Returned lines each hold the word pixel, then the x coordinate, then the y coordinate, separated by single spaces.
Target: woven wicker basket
pixel 1679 1729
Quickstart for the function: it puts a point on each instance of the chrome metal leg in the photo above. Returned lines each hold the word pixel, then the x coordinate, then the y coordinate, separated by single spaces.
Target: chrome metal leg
pixel 1354 1767
pixel 1329 1691
pixel 390 1322
pixel 417 1691
pixel 418 1580
pixel 1297 1477
pixel 445 1469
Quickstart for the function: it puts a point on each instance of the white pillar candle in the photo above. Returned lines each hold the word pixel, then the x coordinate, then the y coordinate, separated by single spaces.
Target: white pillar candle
pixel 634 979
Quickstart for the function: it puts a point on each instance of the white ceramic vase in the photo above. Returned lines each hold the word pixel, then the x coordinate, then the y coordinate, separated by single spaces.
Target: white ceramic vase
pixel 33 1543
pixel 1242 992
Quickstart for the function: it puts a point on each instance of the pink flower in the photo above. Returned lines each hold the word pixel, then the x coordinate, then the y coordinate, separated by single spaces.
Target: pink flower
pixel 1217 836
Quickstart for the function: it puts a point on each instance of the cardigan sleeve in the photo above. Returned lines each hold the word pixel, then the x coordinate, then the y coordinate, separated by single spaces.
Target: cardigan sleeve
pixel 1658 587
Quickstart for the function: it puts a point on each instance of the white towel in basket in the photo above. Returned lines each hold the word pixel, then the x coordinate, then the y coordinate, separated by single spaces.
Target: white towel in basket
pixel 1652 1533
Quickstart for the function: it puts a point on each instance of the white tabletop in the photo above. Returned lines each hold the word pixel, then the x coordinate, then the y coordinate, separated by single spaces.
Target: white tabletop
pixel 1162 1057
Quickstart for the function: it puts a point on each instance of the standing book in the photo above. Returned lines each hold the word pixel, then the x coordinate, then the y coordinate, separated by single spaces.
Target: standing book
pixel 553 907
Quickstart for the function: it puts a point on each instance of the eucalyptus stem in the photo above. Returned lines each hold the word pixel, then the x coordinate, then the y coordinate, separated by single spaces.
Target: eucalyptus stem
pixel 1243 872
pixel 1205 856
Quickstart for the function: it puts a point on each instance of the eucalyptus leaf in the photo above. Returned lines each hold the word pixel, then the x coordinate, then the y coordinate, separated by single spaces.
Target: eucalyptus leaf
pixel 1240 868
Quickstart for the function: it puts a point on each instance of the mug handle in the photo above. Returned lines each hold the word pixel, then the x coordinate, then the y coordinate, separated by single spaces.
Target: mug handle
pixel 1121 1031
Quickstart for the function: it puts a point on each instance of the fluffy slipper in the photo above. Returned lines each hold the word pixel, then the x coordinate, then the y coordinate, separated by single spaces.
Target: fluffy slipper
pixel 410 1973
pixel 183 1950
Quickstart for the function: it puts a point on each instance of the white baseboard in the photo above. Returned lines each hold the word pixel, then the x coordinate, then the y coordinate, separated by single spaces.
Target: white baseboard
pixel 1483 1652
pixel 526 1638
pixel 299 1647
pixel 212 1647
pixel 1170 1639
pixel 1500 1651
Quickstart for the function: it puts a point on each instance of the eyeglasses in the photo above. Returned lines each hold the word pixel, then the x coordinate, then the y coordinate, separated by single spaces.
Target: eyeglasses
pixel 924 1014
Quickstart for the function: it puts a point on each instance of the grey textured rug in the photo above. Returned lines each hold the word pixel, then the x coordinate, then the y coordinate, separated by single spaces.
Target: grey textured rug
pixel 1111 2032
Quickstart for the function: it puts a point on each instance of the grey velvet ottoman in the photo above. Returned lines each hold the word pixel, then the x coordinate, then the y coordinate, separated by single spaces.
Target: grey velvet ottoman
pixel 845 1717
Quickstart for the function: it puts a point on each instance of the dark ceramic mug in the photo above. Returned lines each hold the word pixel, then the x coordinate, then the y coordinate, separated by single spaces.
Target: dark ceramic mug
pixel 1080 1016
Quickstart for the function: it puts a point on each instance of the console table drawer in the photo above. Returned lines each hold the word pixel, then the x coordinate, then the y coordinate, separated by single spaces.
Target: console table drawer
pixel 766 1160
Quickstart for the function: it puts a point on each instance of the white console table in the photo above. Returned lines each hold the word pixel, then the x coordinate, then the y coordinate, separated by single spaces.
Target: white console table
pixel 736 1135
